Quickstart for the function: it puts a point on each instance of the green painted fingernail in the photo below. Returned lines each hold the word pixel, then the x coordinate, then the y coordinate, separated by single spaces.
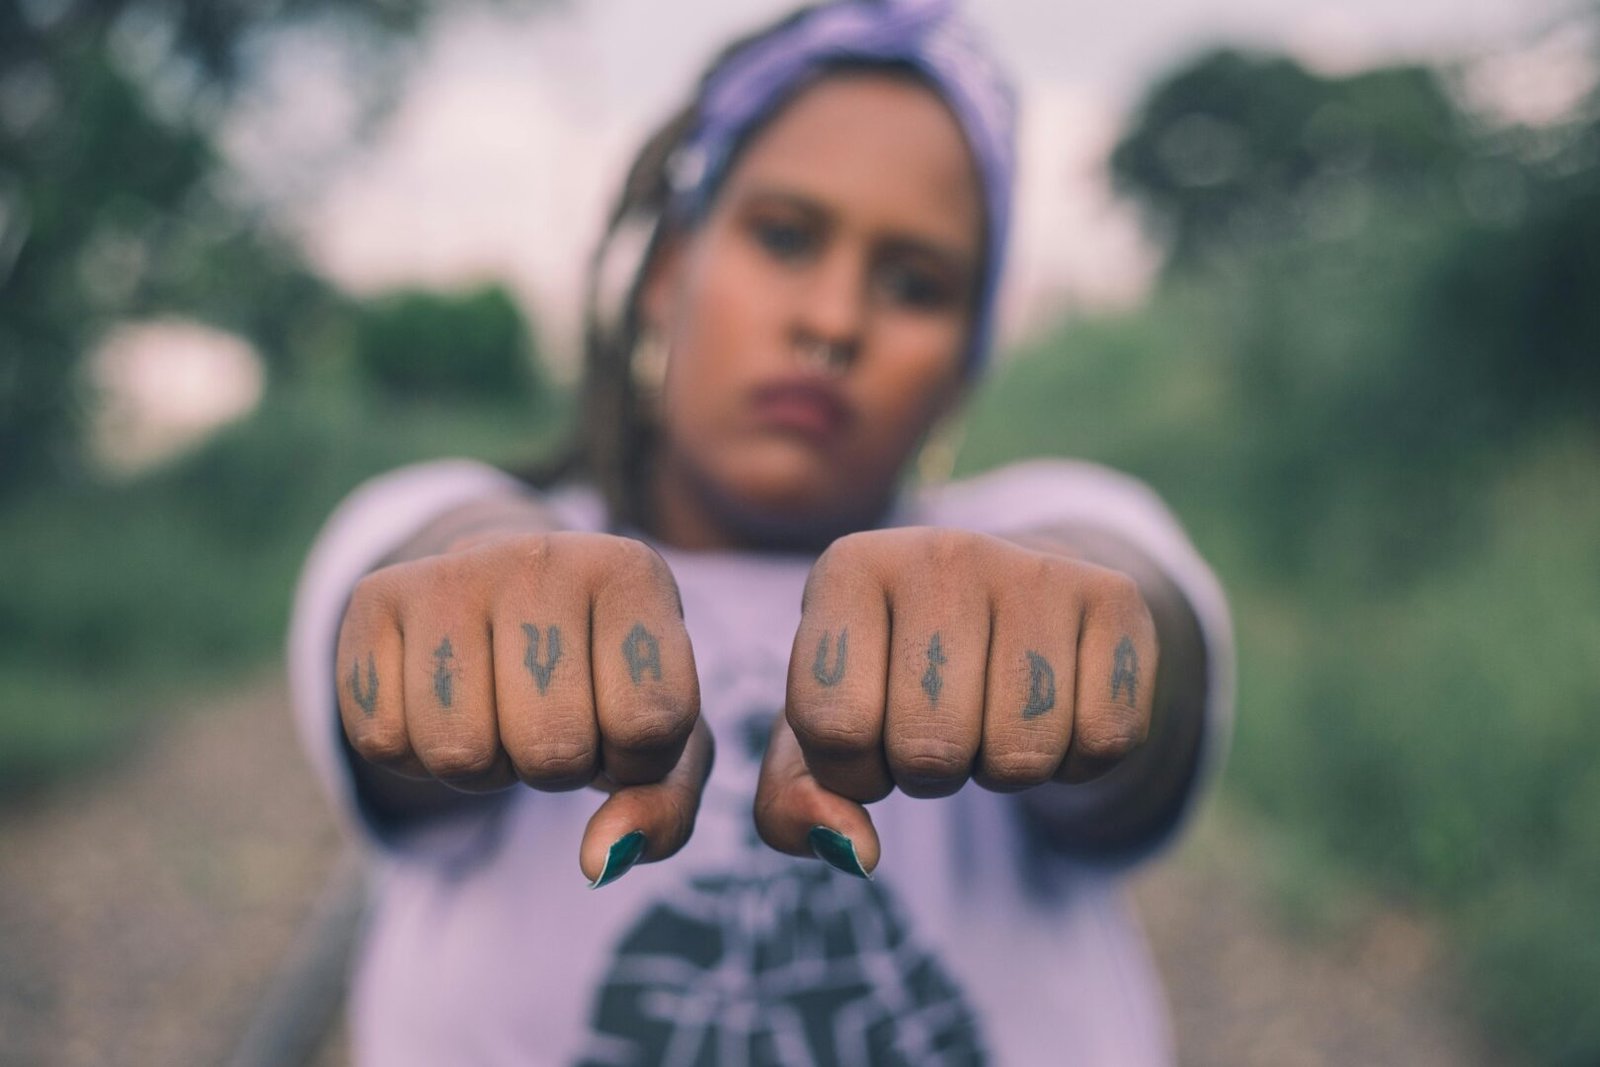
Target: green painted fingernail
pixel 837 851
pixel 620 858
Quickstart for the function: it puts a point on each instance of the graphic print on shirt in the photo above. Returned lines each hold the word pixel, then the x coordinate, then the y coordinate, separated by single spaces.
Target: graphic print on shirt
pixel 785 962
pixel 806 966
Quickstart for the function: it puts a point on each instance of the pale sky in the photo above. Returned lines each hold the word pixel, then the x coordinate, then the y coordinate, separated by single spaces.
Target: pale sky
pixel 503 155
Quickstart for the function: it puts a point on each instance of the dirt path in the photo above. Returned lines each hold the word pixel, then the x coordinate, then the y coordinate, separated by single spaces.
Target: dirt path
pixel 1245 993
pixel 142 915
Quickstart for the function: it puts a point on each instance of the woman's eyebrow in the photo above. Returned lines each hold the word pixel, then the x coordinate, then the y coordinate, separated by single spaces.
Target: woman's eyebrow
pixel 767 196
pixel 915 243
pixel 946 256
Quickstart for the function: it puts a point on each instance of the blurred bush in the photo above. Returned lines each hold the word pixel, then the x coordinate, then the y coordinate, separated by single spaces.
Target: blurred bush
pixel 466 346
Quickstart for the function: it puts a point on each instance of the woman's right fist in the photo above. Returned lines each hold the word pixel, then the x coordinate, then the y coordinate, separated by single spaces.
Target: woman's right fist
pixel 559 659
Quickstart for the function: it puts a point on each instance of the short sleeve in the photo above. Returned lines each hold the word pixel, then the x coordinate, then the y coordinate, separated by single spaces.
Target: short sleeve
pixel 1043 493
pixel 369 525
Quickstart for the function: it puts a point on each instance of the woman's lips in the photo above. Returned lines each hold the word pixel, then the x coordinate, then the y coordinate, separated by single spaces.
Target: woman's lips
pixel 813 409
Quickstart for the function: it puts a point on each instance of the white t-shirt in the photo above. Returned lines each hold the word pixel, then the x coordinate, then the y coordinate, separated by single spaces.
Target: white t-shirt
pixel 975 943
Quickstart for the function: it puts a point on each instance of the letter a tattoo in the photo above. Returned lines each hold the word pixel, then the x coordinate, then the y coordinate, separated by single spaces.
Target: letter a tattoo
pixel 1126 672
pixel 819 668
pixel 643 652
pixel 443 677
pixel 1041 686
pixel 542 671
pixel 368 700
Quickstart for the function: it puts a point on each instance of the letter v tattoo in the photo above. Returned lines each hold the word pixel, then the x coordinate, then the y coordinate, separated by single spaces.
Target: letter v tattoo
pixel 552 641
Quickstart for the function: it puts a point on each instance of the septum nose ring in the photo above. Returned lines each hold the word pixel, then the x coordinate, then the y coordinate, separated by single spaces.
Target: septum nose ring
pixel 824 355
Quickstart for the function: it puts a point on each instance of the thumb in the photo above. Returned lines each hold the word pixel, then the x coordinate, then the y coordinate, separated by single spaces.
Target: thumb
pixel 646 823
pixel 796 815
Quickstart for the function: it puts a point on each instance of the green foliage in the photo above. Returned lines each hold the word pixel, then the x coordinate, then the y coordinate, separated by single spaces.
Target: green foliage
pixel 472 345
pixel 1409 548
pixel 1515 309
pixel 1439 737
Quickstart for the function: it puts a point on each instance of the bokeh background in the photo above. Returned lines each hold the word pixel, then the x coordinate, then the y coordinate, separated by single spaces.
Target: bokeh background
pixel 1327 277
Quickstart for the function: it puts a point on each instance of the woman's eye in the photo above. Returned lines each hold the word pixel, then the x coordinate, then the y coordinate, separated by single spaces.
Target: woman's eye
pixel 785 240
pixel 916 287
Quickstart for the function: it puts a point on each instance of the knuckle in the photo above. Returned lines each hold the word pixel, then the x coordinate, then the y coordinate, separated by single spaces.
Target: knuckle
pixel 380 744
pixel 844 558
pixel 555 762
pixel 650 733
pixel 451 573
pixel 930 757
pixel 838 731
pixel 461 758
pixel 1110 732
pixel 849 548
pixel 947 549
pixel 1019 768
pixel 823 570
pixel 376 595
pixel 534 549
pixel 632 559
pixel 373 588
pixel 632 565
pixel 515 560
pixel 1119 591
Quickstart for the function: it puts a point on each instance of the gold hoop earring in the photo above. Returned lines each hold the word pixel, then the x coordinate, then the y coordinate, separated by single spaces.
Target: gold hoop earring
pixel 936 461
pixel 647 366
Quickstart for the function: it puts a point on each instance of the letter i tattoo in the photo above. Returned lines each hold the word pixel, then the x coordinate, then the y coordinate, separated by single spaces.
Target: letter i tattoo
pixel 368 701
pixel 443 676
pixel 932 683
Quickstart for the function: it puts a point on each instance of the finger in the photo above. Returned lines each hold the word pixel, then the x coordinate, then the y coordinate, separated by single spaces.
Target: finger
pixel 544 696
pixel 449 690
pixel 647 696
pixel 796 815
pixel 645 823
pixel 1116 678
pixel 939 654
pixel 369 679
pixel 837 675
pixel 1028 706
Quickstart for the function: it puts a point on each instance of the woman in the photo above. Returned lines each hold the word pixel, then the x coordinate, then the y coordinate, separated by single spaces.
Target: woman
pixel 735 571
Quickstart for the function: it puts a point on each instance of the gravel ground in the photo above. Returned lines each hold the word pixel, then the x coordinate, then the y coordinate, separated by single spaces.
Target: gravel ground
pixel 144 913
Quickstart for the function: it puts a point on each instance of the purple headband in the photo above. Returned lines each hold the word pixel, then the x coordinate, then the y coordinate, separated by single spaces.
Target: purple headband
pixel 926 35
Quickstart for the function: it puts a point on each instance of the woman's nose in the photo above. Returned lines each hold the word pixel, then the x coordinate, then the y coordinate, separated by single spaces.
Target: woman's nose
pixel 833 301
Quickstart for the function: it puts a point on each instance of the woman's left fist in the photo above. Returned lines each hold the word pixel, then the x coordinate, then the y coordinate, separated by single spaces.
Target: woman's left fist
pixel 926 657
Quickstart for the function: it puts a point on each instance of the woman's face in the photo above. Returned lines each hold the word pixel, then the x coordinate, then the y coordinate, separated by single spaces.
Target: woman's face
pixel 817 320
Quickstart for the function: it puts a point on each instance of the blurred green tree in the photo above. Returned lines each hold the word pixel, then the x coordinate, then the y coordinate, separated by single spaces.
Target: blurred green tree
pixel 115 202
pixel 474 345
pixel 1235 147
